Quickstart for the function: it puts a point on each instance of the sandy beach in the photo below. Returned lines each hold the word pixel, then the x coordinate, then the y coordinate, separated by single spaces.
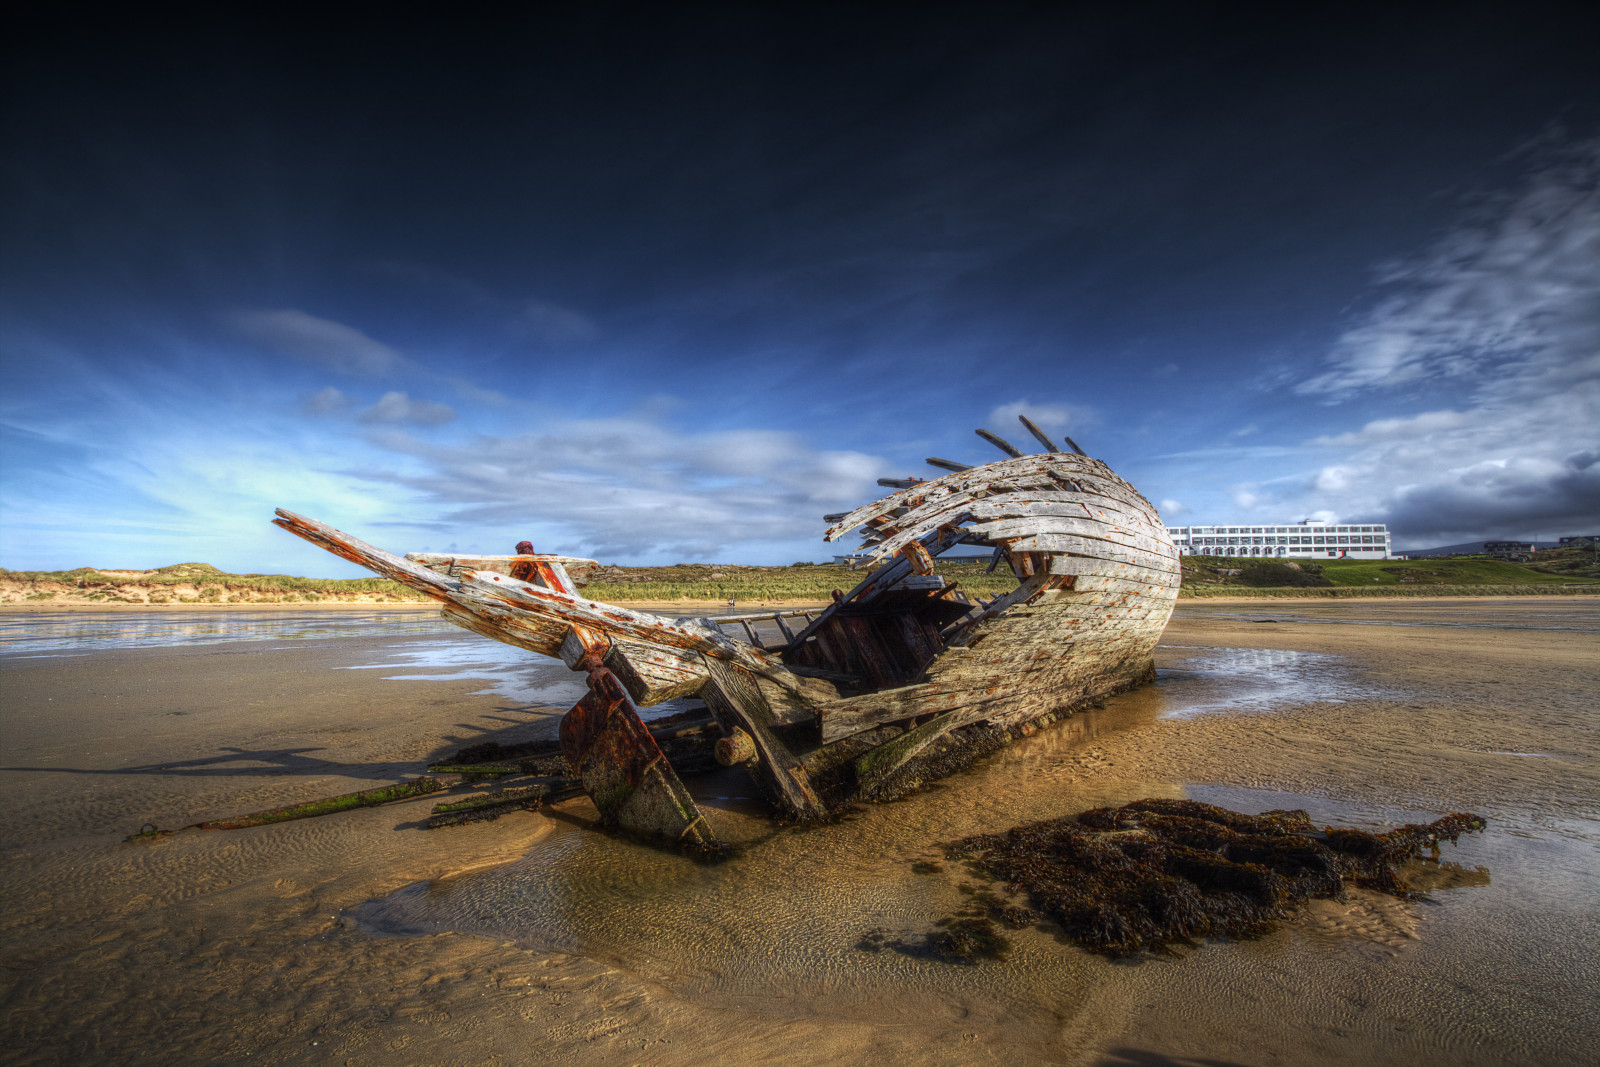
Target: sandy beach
pixel 363 938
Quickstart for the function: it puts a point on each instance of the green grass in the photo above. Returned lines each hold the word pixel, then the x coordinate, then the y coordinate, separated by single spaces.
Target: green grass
pixel 807 582
pixel 212 584
pixel 1476 570
pixel 1452 576
pixel 1553 571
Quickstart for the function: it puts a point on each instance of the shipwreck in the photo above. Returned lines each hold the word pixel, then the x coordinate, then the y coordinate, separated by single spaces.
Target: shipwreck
pixel 898 681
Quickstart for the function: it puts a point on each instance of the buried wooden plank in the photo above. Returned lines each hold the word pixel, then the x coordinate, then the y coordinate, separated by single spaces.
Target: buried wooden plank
pixel 874 767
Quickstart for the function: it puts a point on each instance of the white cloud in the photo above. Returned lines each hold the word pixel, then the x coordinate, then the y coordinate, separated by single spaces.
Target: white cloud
pixel 632 487
pixel 1056 420
pixel 540 320
pixel 1332 480
pixel 319 342
pixel 1171 509
pixel 325 402
pixel 1247 496
pixel 1516 284
pixel 1047 416
pixel 398 408
pixel 1505 312
pixel 529 318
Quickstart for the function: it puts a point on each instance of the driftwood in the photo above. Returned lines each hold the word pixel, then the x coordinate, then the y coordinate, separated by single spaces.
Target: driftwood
pixel 899 680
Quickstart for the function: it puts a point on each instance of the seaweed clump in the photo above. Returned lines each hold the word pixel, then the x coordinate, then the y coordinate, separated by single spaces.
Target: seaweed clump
pixel 1155 873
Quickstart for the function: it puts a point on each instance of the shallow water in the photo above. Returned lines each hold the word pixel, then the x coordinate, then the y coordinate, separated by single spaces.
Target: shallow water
pixel 1573 613
pixel 219 947
pixel 1509 921
pixel 1251 680
pixel 79 633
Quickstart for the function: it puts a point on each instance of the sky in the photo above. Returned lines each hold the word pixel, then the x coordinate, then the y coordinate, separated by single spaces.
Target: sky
pixel 661 285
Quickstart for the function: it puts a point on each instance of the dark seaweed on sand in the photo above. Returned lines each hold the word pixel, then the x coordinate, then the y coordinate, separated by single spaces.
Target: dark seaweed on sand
pixel 1156 872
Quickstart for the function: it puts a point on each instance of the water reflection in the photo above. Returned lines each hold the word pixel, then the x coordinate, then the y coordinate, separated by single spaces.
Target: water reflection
pixel 514 673
pixel 1581 614
pixel 79 633
pixel 1252 680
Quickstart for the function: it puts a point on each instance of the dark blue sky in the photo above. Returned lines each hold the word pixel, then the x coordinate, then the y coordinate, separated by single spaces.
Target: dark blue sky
pixel 665 286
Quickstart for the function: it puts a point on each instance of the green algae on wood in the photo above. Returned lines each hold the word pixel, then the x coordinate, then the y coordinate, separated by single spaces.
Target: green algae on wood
pixel 367 798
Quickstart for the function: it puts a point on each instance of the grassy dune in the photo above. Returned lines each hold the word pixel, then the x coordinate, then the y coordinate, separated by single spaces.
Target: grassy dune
pixel 1553 571
pixel 200 583
pixel 193 583
pixel 802 582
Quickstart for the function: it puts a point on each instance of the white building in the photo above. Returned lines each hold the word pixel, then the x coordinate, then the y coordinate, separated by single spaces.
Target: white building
pixel 1301 540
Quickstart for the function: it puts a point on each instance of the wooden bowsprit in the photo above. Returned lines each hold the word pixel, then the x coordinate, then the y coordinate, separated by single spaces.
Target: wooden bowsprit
pixel 623 769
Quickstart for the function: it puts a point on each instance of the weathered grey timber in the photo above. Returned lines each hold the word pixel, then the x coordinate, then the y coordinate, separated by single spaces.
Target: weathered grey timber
pixel 899 681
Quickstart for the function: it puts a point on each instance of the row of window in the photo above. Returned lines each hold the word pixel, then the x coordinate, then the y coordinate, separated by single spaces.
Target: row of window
pixel 1295 529
pixel 1280 550
pixel 1347 539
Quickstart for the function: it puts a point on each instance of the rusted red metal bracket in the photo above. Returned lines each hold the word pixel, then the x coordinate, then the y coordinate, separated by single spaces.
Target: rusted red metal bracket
pixel 622 768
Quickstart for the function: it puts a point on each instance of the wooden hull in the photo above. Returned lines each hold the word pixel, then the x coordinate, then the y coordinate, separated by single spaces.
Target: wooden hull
pixel 896 683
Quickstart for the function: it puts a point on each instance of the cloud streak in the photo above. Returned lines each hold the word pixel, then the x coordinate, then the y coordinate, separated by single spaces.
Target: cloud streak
pixel 323 343
pixel 400 409
pixel 634 488
pixel 1506 305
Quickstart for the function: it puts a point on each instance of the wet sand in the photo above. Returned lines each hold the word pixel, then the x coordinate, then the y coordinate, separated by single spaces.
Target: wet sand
pixel 362 938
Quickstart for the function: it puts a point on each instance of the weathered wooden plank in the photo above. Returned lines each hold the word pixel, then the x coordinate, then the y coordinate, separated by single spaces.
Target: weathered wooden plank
pixel 884 577
pixel 1127 584
pixel 875 766
pixel 1039 435
pixel 1021 506
pixel 996 475
pixel 654 673
pixel 536 635
pixel 414 575
pixel 1096 547
pixel 613 621
pixel 580 571
pixel 1084 567
pixel 1071 544
pixel 1001 443
pixel 1003 530
pixel 737 701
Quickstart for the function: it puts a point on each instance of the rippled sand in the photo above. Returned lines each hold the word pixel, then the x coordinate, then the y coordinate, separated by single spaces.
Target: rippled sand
pixel 362 938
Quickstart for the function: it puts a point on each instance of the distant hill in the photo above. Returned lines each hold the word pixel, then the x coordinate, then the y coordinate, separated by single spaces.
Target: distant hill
pixel 192 583
pixel 1470 548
